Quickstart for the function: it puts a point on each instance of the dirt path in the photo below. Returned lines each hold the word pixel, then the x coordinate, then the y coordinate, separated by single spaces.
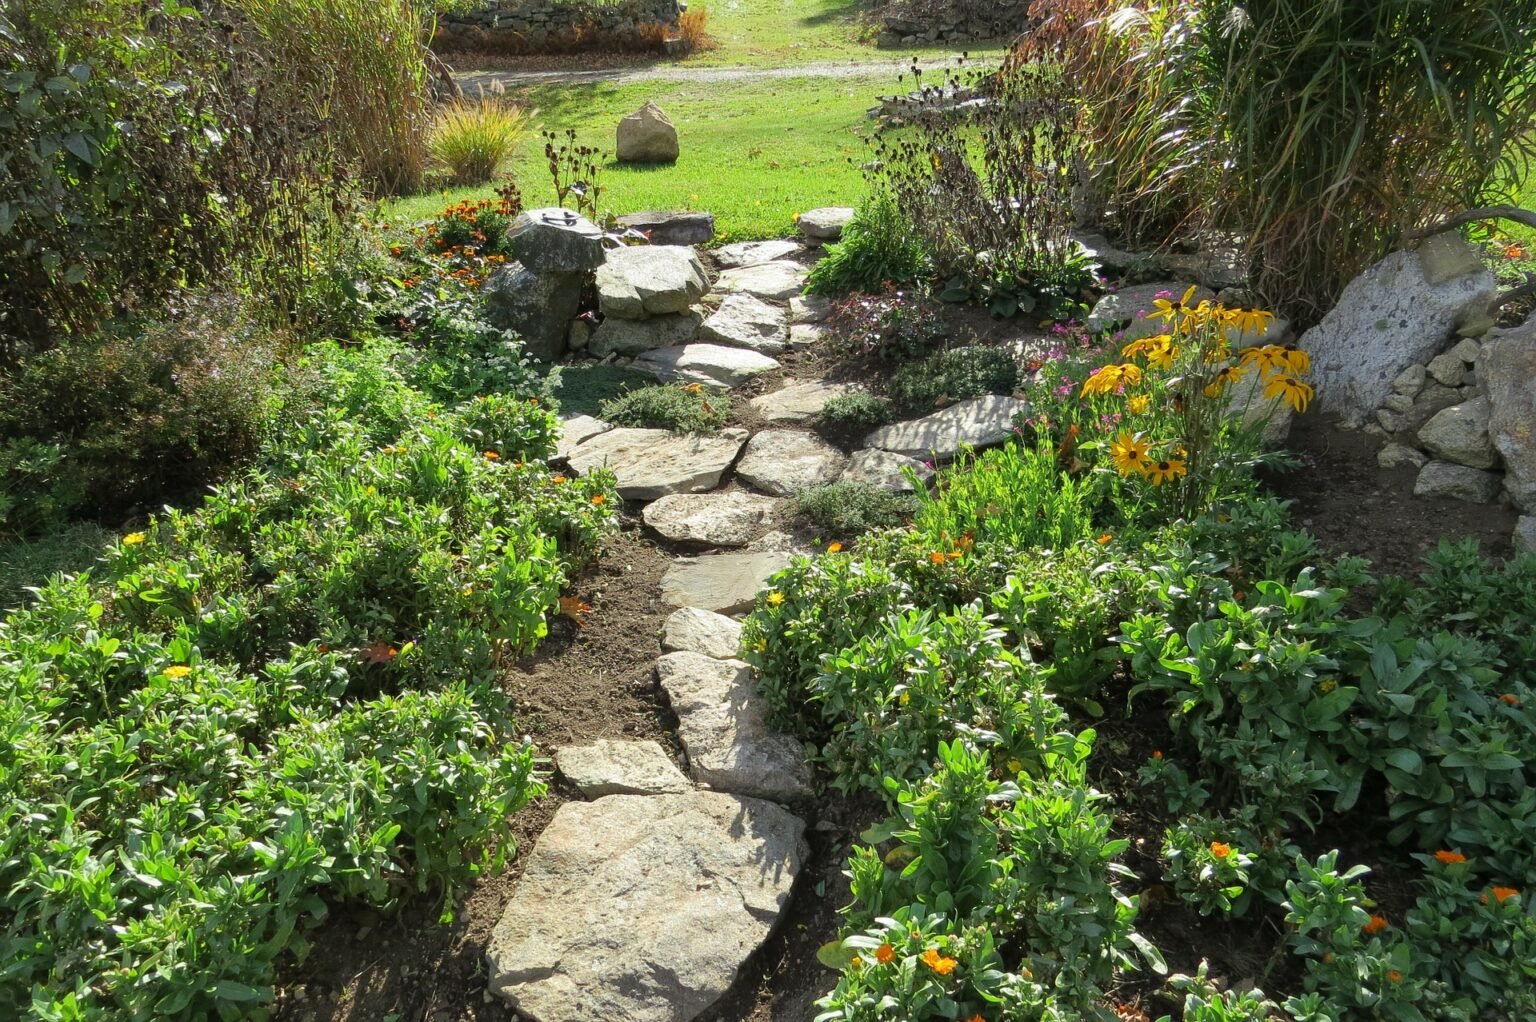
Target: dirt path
pixel 894 67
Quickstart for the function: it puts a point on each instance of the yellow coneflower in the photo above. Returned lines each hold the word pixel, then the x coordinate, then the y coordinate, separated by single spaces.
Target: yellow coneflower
pixel 1129 453
pixel 1166 471
pixel 1291 390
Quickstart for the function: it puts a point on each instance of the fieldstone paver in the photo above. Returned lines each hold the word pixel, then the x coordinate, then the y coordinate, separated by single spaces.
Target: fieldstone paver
pixel 799 402
pixel 784 462
pixel 694 630
pixel 638 281
pixel 712 365
pixel 778 280
pixel 727 583
pixel 636 336
pixel 651 463
pixel 747 322
pixel 979 422
pixel 607 767
pixel 884 469
pixel 577 430
pixel 753 253
pixel 721 519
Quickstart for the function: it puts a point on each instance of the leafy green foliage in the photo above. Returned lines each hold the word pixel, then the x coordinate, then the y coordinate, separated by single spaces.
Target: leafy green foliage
pixel 850 508
pixel 954 375
pixel 897 322
pixel 683 409
pixel 878 249
pixel 857 411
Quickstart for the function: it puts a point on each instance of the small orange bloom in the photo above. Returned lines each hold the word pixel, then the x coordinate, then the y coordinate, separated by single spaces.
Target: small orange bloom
pixel 599 499
pixel 557 479
pixel 1512 700
pixel 1394 975
pixel 1157 753
pixel 885 954
pixel 1105 538
pixel 492 456
pixel 936 558
pixel 1220 849
pixel 940 964
pixel 833 548
pixel 1375 924
pixel 1503 894
pixel 1449 858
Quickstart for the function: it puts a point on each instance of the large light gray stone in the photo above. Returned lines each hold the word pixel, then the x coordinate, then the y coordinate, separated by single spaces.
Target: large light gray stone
pixel 538 306
pixel 1135 302
pixel 646 136
pixel 635 337
pixel 885 470
pixel 824 224
pixel 727 583
pixel 773 281
pixel 1389 318
pixel 1458 482
pixel 1460 434
pixel 722 722
pixel 799 402
pixel 686 228
pixel 807 309
pixel 638 281
pixel 783 462
pixel 695 630
pixel 1525 534
pixel 720 519
pixel 651 463
pixel 555 240
pixel 576 430
pixel 713 365
pixel 752 253
pixel 608 767
pixel 641 908
pixel 1507 366
pixel 743 321
pixel 979 422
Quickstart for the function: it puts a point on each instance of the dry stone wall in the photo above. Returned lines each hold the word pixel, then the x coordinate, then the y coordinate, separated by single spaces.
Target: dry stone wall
pixel 538 26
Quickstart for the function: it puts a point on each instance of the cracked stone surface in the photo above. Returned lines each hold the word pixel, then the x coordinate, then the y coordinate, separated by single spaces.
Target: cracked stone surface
pixel 650 280
pixel 607 767
pixel 642 908
pixel 722 722
pixel 651 463
pixel 784 462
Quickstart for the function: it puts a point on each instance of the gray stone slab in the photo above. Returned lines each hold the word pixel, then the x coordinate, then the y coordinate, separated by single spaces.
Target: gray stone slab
pixel 727 583
pixel 694 630
pixel 607 767
pixel 773 281
pixel 979 422
pixel 651 463
pixel 720 519
pixel 783 462
pixel 712 365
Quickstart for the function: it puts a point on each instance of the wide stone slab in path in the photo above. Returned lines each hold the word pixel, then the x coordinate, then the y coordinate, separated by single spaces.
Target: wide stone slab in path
pixel 799 402
pixel 577 430
pixel 728 583
pixel 747 322
pixel 641 908
pixel 723 724
pixel 776 281
pixel 650 280
pixel 721 519
pixel 753 253
pixel 651 463
pixel 784 462
pixel 712 365
pixel 979 422
pixel 701 631
pixel 885 470
pixel 620 768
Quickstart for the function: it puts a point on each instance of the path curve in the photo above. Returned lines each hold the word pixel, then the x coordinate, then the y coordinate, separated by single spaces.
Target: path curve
pixel 894 67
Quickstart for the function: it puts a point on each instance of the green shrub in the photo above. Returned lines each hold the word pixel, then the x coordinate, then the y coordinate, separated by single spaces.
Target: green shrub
pixel 878 248
pixel 895 323
pixel 954 375
pixel 474 139
pixel 684 409
pixel 850 508
pixel 114 421
pixel 860 410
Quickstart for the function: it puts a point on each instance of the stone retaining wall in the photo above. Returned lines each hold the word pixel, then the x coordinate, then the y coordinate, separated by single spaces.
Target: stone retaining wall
pixel 559 26
pixel 909 22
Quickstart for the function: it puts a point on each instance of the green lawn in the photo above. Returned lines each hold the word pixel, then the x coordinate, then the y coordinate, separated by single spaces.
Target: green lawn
pixel 753 153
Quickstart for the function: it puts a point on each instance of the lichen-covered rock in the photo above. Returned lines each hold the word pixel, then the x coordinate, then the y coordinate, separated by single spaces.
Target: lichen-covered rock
pixel 646 136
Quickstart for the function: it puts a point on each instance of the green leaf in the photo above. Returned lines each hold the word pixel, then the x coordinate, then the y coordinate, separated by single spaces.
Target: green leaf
pixel 229 990
pixel 80 147
pixel 1406 760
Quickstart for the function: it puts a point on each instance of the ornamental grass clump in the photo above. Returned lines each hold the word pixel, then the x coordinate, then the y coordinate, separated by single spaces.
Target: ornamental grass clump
pixel 474 138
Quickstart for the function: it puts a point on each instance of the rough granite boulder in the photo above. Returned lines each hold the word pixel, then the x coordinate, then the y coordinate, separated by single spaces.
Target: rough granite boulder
pixel 719 519
pixel 1507 366
pixel 979 422
pixel 637 336
pixel 784 462
pixel 743 321
pixel 1525 534
pixel 608 767
pixel 556 240
pixel 695 630
pixel 639 281
pixel 1457 482
pixel 825 224
pixel 642 908
pixel 1401 312
pixel 651 463
pixel 722 722
pixel 690 228
pixel 1460 434
pixel 713 365
pixel 538 306
pixel 646 136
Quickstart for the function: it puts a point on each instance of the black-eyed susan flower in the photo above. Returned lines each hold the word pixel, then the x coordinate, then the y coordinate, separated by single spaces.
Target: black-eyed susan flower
pixel 1290 390
pixel 1269 358
pixel 1247 320
pixel 1224 378
pixel 1298 361
pixel 1166 471
pixel 1138 404
pixel 1170 311
pixel 1129 452
pixel 1108 379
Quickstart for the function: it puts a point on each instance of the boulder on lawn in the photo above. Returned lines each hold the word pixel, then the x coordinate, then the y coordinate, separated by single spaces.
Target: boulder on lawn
pixel 639 281
pixel 1401 312
pixel 688 228
pixel 647 136
pixel 538 306
pixel 556 240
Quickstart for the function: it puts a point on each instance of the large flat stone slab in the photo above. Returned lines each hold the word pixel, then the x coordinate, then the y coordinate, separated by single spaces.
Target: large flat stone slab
pixel 753 253
pixel 712 365
pixel 701 631
pixel 615 336
pixel 666 228
pixel 720 519
pixel 722 722
pixel 576 430
pixel 743 321
pixel 727 583
pixel 775 281
pixel 641 908
pixel 884 469
pixel 979 422
pixel 783 462
pixel 608 767
pixel 799 402
pixel 651 463
pixel 638 281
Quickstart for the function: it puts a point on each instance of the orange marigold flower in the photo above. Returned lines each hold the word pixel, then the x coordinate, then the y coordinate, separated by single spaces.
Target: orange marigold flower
pixel 936 557
pixel 557 479
pixel 1105 538
pixel 940 964
pixel 885 954
pixel 1449 858
pixel 1375 924
pixel 1503 894
pixel 599 499
pixel 1157 753
pixel 1220 849
pixel 833 548
pixel 1394 975
pixel 1512 700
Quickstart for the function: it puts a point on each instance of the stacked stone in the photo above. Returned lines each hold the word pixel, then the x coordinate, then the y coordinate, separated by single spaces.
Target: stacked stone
pixel 530 26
